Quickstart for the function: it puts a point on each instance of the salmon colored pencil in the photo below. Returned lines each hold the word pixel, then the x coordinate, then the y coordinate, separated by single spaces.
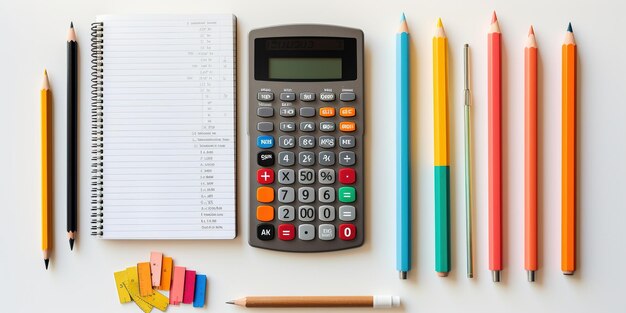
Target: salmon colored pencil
pixel 530 155
pixel 495 148
pixel 568 174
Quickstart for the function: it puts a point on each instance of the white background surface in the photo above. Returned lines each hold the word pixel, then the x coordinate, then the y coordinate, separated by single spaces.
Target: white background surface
pixel 33 37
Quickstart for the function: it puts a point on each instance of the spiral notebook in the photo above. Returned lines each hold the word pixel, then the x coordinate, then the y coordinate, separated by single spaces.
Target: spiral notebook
pixel 163 129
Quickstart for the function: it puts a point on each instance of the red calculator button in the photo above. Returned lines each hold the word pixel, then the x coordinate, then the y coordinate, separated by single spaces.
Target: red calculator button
pixel 347 176
pixel 286 232
pixel 347 232
pixel 265 176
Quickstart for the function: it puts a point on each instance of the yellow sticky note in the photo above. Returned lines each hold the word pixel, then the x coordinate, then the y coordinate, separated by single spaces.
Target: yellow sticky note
pixel 122 293
pixel 156 299
pixel 132 283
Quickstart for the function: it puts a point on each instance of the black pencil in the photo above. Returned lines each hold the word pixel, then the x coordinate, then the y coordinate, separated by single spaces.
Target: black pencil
pixel 72 134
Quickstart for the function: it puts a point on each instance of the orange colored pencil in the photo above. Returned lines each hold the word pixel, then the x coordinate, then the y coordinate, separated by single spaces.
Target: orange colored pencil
pixel 568 174
pixel 530 155
pixel 495 147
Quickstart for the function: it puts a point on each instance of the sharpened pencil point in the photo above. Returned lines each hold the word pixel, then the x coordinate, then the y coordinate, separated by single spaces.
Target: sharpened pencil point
pixel 569 28
pixel 46 262
pixel 494 17
pixel 71 24
pixel 439 24
pixel 230 302
pixel 531 31
pixel 72 244
pixel 403 18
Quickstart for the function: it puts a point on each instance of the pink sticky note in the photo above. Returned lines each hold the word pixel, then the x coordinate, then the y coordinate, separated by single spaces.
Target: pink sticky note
pixel 178 285
pixel 156 260
pixel 190 286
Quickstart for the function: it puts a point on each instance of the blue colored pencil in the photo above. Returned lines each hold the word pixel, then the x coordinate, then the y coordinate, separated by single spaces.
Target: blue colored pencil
pixel 403 155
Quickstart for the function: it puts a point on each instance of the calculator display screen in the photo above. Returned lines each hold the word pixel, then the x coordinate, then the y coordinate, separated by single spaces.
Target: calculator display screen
pixel 305 68
pixel 305 59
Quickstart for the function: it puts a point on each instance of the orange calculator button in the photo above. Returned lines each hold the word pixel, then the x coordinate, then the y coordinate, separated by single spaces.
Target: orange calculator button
pixel 264 213
pixel 347 111
pixel 265 194
pixel 347 126
pixel 327 112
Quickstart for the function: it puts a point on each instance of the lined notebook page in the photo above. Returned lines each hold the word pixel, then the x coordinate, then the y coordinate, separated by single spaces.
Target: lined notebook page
pixel 169 127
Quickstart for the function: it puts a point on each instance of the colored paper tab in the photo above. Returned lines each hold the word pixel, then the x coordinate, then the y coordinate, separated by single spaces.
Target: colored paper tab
pixel 155 299
pixel 156 261
pixel 122 293
pixel 166 273
pixel 190 286
pixel 131 284
pixel 200 294
pixel 178 285
pixel 145 281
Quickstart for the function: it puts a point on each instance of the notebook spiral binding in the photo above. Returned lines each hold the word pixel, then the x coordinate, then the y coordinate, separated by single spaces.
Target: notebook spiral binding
pixel 97 88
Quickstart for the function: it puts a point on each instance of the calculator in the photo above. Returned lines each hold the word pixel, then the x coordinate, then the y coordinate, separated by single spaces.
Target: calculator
pixel 306 125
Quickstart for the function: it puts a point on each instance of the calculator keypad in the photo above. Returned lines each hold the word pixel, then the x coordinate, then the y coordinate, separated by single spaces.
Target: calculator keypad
pixel 307 164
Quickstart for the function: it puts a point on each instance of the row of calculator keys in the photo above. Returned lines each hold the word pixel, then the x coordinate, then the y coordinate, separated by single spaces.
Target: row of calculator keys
pixel 306 232
pixel 288 127
pixel 306 194
pixel 306 213
pixel 306 176
pixel 268 96
pixel 306 112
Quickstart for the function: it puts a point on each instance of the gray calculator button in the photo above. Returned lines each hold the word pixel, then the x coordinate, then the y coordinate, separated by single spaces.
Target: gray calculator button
pixel 286 142
pixel 287 126
pixel 347 213
pixel 307 126
pixel 287 111
pixel 327 126
pixel 306 195
pixel 326 213
pixel 286 213
pixel 306 232
pixel 347 96
pixel 306 176
pixel 265 111
pixel 307 112
pixel 286 158
pixel 306 158
pixel 327 96
pixel 326 176
pixel 326 194
pixel 307 96
pixel 326 232
pixel 286 195
pixel 326 158
pixel 287 96
pixel 306 142
pixel 286 176
pixel 347 141
pixel 327 142
pixel 347 158
pixel 265 96
pixel 265 127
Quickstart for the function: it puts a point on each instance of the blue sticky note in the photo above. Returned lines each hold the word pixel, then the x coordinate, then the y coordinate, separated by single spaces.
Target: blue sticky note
pixel 200 294
pixel 265 142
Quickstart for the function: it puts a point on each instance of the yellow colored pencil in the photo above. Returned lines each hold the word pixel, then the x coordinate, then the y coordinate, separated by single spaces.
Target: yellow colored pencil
pixel 442 165
pixel 45 169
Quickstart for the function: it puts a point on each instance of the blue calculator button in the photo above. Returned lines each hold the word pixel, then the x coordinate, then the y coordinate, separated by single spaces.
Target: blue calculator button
pixel 265 142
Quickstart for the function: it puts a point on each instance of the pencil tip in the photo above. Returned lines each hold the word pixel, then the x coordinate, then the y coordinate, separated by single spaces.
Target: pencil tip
pixel 494 17
pixel 72 244
pixel 531 31
pixel 45 72
pixel 71 24
pixel 46 262
pixel 403 18
pixel 569 28
pixel 439 24
pixel 230 302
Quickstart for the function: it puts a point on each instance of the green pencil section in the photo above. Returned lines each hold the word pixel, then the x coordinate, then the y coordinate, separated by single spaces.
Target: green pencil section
pixel 442 220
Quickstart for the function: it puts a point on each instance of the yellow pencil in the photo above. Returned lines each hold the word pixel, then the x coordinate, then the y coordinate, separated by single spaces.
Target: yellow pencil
pixel 45 177
pixel 442 165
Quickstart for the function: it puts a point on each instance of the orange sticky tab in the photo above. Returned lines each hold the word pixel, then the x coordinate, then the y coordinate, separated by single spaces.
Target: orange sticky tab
pixel 265 194
pixel 178 285
pixel 347 112
pixel 264 213
pixel 145 281
pixel 327 112
pixel 156 262
pixel 166 273
pixel 347 126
